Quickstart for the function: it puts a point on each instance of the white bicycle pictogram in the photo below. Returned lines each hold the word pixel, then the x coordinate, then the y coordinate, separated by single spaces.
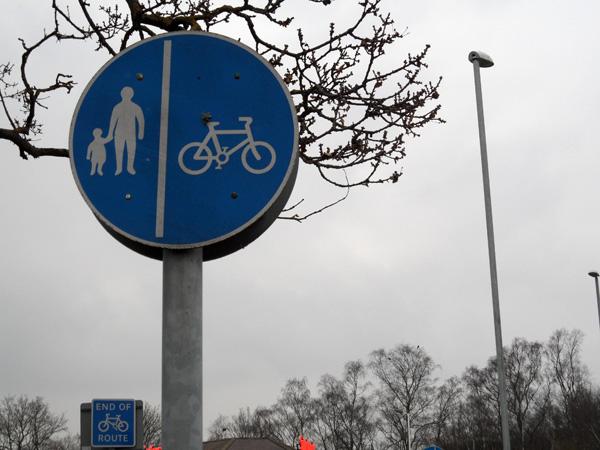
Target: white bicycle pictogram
pixel 257 157
pixel 115 422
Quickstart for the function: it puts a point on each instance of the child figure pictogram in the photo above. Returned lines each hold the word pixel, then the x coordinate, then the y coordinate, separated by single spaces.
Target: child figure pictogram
pixel 96 152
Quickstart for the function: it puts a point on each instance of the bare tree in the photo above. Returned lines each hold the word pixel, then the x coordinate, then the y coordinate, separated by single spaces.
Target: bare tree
pixel 565 366
pixel 586 419
pixel 356 108
pixel 243 425
pixel 460 414
pixel 345 411
pixel 406 392
pixel 219 429
pixel 528 396
pixel 28 424
pixel 528 389
pixel 267 424
pixel 151 423
pixel 578 403
pixel 67 442
pixel 259 423
pixel 445 407
pixel 482 404
pixel 292 416
pixel 294 411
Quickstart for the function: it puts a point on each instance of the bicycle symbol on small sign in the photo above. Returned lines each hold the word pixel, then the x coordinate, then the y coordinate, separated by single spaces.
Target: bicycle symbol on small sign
pixel 116 423
pixel 257 157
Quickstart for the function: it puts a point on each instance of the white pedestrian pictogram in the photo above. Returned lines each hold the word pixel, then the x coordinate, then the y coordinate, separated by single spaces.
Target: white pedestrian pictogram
pixel 96 152
pixel 125 129
pixel 123 120
pixel 257 157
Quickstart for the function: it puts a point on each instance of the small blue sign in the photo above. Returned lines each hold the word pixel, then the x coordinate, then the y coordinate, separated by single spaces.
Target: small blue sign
pixel 113 423
pixel 184 140
pixel 433 447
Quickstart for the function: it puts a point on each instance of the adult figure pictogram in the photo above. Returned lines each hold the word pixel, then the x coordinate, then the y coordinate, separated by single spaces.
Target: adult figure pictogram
pixel 126 121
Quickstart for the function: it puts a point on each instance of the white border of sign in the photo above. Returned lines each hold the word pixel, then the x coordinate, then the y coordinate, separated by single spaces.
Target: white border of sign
pixel 290 170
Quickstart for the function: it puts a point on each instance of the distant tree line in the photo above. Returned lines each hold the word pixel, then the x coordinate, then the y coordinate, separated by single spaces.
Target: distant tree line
pixel 395 398
pixel 28 424
pixel 392 399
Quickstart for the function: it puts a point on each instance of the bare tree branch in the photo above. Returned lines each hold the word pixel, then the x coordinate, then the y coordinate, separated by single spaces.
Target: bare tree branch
pixel 355 110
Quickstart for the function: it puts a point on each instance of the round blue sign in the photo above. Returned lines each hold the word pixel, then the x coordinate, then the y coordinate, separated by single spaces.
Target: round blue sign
pixel 185 140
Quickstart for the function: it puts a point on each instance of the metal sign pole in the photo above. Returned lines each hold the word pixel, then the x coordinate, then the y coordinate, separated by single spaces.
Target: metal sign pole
pixel 482 60
pixel 182 350
pixel 148 165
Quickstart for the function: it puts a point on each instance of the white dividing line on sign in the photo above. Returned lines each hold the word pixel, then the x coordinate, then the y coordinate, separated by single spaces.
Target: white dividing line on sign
pixel 163 139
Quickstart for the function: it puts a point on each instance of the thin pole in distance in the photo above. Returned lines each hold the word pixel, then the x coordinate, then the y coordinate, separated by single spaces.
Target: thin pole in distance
pixel 480 59
pixel 595 276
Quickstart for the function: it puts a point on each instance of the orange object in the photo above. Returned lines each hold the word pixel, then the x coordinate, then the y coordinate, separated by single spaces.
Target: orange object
pixel 306 445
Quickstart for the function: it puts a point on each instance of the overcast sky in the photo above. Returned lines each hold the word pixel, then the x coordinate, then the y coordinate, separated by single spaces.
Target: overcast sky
pixel 402 263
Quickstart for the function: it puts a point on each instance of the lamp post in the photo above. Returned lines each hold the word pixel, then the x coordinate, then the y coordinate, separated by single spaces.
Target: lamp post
pixel 595 275
pixel 408 429
pixel 480 59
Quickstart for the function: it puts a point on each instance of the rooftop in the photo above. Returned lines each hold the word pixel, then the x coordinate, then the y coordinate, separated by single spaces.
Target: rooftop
pixel 245 444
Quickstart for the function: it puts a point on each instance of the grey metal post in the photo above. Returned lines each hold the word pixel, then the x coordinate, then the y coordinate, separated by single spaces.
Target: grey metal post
pixel 595 276
pixel 408 427
pixel 182 350
pixel 480 59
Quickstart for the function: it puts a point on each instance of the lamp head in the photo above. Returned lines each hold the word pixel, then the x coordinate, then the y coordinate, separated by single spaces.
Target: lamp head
pixel 594 274
pixel 483 59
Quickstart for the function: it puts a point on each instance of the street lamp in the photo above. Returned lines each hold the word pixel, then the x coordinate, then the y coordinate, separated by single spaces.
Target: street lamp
pixel 408 429
pixel 480 59
pixel 595 276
